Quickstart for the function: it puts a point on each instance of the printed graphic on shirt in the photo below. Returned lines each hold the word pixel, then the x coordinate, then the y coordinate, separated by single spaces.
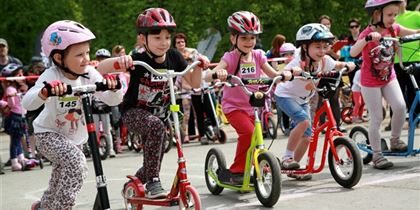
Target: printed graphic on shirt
pixel 248 69
pixel 382 57
pixel 69 111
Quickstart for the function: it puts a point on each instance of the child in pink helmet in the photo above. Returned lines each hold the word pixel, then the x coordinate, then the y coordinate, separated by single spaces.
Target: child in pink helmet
pixel 60 128
pixel 245 62
pixel 378 77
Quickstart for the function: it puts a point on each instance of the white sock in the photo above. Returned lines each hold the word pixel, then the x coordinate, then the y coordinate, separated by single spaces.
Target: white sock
pixel 289 154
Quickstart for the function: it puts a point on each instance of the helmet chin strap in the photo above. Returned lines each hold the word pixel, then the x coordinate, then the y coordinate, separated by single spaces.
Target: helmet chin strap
pixel 242 53
pixel 67 70
pixel 311 60
pixel 154 56
pixel 381 22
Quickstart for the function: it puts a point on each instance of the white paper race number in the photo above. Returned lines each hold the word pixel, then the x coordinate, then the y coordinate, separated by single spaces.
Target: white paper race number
pixel 156 78
pixel 248 69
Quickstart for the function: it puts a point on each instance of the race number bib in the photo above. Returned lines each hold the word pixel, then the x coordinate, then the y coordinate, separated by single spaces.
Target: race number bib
pixel 248 69
pixel 156 78
pixel 68 102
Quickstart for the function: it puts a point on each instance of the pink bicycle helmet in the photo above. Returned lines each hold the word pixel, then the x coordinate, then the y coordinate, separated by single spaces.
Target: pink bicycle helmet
pixel 9 69
pixel 244 22
pixel 155 18
pixel 372 5
pixel 61 34
pixel 287 48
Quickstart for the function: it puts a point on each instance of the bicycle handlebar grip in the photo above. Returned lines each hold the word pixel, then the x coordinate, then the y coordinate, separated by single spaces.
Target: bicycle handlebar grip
pixel 48 87
pixel 410 38
pixel 116 65
pixel 100 86
pixel 413 69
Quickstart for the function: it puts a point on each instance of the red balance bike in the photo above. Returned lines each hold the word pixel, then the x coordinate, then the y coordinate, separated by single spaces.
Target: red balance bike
pixel 182 192
pixel 344 158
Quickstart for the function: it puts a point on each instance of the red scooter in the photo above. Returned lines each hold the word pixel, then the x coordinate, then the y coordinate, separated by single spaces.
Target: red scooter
pixel 182 192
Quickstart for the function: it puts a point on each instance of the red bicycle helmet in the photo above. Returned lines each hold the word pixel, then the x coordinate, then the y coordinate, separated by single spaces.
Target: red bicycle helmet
pixel 244 22
pixel 155 18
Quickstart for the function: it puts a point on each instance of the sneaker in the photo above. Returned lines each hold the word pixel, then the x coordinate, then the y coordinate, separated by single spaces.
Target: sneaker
pixel 36 206
pixel 289 164
pixel 300 177
pixel 342 129
pixel 380 162
pixel 398 146
pixel 226 176
pixel 111 153
pixel 119 149
pixel 154 189
pixel 388 127
pixel 204 140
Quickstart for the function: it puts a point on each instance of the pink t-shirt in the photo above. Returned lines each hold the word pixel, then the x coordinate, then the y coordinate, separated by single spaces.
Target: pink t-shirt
pixel 14 102
pixel 235 98
pixel 378 64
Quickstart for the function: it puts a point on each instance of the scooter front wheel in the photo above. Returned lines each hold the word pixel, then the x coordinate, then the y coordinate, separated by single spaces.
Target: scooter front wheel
pixel 130 191
pixel 215 161
pixel 346 115
pixel 221 136
pixel 268 186
pixel 192 199
pixel 103 147
pixel 347 170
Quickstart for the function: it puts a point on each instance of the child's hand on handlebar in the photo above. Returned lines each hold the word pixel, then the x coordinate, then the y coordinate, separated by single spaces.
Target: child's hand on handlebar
pixel 351 66
pixel 124 62
pixel 204 61
pixel 287 75
pixel 111 81
pixel 220 74
pixel 53 88
pixel 373 36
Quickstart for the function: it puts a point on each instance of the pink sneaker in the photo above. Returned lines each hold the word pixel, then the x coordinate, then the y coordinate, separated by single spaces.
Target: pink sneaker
pixel 36 206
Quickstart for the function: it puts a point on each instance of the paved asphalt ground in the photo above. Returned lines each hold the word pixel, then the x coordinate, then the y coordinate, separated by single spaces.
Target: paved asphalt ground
pixel 397 188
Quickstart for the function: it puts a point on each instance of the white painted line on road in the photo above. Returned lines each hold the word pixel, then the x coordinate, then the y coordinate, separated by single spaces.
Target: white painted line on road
pixel 285 197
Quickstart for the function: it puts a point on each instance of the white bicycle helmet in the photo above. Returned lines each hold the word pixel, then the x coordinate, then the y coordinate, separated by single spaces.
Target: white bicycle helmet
pixel 103 53
pixel 313 32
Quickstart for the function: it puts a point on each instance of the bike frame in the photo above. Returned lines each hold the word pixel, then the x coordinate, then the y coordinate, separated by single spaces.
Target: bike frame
pixel 180 181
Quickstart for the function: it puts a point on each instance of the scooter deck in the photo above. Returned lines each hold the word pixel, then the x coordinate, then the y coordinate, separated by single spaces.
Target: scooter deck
pixel 157 202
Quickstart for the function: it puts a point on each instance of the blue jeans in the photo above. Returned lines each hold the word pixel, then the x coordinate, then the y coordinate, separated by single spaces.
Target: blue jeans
pixel 297 112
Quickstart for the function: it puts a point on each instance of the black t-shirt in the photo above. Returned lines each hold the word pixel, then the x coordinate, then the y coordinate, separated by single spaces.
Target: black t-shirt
pixel 150 91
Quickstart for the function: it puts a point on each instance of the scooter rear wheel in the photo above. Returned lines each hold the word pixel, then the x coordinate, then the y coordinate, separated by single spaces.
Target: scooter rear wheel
pixel 131 191
pixel 359 134
pixel 215 161
pixel 346 114
pixel 192 199
pixel 222 136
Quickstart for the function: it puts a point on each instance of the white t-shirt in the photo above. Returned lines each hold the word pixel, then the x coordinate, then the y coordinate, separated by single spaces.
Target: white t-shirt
pixel 301 90
pixel 64 115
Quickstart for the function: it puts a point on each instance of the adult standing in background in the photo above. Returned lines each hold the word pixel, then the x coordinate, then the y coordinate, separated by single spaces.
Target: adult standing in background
pixel 118 50
pixel 274 52
pixel 354 28
pixel 5 59
pixel 334 100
